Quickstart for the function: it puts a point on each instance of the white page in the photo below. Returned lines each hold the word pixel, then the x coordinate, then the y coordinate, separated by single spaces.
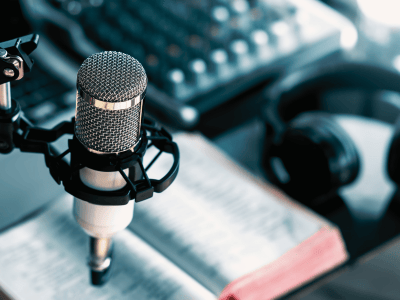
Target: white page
pixel 46 258
pixel 215 222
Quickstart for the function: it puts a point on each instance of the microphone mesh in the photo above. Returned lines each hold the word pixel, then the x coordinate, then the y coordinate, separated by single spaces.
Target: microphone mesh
pixel 111 77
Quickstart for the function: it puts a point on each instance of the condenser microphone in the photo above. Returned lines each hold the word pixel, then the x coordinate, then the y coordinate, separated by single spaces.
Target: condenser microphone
pixel 109 109
pixel 110 137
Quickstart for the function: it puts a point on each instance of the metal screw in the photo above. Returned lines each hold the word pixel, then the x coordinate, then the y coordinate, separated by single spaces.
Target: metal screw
pixel 3 53
pixel 15 63
pixel 9 72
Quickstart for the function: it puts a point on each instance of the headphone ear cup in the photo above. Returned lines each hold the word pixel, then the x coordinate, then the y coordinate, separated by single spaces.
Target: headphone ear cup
pixel 393 165
pixel 318 156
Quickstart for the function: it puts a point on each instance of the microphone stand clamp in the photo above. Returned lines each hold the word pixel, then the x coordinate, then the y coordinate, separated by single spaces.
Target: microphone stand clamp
pixel 14 63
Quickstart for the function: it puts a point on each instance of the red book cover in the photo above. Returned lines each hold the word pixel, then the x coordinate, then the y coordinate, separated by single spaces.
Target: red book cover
pixel 313 257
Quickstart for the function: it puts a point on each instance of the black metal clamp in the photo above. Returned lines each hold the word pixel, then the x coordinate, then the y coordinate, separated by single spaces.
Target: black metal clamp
pixel 14 63
pixel 14 59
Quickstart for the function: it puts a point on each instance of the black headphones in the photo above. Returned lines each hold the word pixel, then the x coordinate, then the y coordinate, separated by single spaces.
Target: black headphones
pixel 309 155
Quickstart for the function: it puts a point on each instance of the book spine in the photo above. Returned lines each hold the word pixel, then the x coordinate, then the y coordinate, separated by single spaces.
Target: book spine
pixel 311 258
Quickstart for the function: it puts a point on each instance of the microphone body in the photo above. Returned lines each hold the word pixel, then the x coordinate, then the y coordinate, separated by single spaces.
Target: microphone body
pixel 101 221
pixel 109 103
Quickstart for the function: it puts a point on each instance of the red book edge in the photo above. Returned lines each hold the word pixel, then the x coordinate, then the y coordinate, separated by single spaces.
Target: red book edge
pixel 316 255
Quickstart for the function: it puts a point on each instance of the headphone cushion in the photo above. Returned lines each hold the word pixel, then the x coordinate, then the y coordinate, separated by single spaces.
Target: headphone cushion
pixel 318 156
pixel 393 164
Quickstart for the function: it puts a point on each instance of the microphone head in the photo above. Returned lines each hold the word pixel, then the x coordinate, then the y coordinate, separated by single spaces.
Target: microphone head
pixel 110 90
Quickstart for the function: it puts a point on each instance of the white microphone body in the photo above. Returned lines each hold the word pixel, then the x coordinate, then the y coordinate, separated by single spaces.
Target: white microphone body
pixel 102 221
pixel 111 87
pixel 110 92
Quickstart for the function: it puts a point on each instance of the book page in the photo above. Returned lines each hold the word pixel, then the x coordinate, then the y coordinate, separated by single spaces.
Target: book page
pixel 46 258
pixel 214 221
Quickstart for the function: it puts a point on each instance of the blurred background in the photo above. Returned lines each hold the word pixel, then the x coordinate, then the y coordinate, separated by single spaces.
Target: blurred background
pixel 214 67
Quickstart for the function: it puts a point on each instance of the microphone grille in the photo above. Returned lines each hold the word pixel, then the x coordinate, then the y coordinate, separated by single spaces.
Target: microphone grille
pixel 109 102
pixel 107 131
pixel 112 76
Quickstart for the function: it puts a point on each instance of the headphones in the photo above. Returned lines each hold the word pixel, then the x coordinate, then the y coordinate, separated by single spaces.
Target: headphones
pixel 308 154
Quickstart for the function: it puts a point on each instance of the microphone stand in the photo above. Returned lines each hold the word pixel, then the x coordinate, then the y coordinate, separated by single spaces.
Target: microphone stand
pixel 17 132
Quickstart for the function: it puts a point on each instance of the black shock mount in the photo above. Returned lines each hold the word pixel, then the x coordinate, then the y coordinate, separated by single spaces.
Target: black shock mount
pixel 17 132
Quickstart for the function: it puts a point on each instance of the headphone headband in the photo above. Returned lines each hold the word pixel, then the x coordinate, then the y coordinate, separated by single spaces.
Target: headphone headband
pixel 286 98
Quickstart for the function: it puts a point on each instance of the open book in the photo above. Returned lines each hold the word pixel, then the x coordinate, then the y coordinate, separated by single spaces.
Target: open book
pixel 216 233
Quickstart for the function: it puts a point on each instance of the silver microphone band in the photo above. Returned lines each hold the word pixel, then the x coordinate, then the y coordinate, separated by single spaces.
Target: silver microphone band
pixel 109 105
